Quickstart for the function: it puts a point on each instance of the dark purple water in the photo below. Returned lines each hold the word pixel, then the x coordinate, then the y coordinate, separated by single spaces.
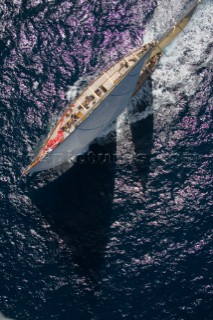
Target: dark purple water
pixel 127 235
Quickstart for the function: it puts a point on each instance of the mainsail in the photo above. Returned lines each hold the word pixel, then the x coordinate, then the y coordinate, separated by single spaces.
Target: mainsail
pixel 107 110
pixel 102 101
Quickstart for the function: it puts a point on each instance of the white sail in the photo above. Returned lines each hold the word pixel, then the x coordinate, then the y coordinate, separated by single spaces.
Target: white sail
pixel 98 120
pixel 102 102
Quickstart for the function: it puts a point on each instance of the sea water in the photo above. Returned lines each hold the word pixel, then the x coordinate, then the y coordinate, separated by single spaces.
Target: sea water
pixel 125 231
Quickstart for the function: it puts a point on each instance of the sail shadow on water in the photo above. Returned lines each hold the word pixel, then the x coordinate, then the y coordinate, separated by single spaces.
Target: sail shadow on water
pixel 142 129
pixel 78 204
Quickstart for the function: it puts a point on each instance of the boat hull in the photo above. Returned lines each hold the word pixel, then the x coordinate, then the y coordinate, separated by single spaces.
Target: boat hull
pixel 59 149
pixel 96 123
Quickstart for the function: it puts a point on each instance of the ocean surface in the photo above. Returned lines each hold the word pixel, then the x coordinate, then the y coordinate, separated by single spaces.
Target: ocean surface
pixel 126 230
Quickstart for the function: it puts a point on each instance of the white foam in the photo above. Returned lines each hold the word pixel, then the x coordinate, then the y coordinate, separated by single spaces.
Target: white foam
pixel 73 90
pixel 176 72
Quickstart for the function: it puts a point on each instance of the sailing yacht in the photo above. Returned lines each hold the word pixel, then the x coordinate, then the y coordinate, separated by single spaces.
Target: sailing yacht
pixel 102 102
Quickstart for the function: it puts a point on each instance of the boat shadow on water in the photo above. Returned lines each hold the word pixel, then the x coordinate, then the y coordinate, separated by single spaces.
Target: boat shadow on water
pixel 142 131
pixel 78 205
